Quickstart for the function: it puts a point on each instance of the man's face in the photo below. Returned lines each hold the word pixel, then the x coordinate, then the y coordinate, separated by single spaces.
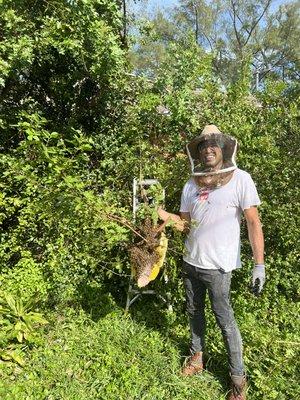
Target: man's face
pixel 211 155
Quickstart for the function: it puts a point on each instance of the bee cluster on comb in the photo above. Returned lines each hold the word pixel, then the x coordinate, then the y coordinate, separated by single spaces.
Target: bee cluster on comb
pixel 143 255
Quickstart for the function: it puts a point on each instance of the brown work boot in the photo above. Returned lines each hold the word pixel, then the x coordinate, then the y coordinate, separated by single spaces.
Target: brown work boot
pixel 194 365
pixel 238 388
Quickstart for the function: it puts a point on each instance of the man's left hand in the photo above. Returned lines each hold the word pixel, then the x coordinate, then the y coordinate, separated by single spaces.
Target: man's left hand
pixel 258 278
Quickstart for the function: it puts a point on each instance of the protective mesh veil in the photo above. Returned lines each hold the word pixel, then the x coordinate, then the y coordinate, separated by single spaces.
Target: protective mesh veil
pixel 204 172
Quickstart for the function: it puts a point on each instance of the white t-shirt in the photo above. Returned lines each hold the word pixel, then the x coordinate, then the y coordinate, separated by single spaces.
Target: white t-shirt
pixel 214 238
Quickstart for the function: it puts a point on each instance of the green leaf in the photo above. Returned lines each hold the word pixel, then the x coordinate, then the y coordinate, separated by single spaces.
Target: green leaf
pixel 20 336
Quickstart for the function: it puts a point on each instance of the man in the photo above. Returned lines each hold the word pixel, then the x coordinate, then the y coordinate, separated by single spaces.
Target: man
pixel 212 202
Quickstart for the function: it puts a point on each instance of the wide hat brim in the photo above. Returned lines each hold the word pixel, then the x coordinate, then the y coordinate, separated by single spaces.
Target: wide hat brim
pixel 220 139
pixel 227 144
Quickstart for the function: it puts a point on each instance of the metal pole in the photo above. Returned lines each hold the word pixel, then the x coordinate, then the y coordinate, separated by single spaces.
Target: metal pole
pixel 134 199
pixel 256 79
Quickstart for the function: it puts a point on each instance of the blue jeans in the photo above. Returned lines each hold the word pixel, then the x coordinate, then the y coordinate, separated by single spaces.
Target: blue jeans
pixel 197 282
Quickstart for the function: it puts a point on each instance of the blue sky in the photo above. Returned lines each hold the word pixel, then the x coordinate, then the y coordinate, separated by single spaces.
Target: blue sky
pixel 151 5
pixel 164 3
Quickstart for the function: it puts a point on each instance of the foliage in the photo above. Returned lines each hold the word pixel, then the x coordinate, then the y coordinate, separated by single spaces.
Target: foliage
pixel 50 214
pixel 19 325
pixel 231 31
pixel 17 319
pixel 25 279
pixel 76 127
pixel 110 358
pixel 58 58
pixel 149 199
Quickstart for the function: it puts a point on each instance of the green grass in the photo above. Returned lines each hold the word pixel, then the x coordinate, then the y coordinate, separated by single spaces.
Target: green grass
pixel 112 358
pixel 99 353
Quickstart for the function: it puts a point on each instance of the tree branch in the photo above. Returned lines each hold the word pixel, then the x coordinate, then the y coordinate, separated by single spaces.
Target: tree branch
pixel 233 17
pixel 271 67
pixel 124 222
pixel 257 21
pixel 209 41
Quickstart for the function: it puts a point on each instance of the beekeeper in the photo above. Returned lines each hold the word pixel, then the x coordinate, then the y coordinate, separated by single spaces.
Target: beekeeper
pixel 212 204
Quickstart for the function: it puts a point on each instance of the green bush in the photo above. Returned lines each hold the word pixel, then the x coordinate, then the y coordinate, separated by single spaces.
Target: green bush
pixel 26 278
pixel 51 216
pixel 76 127
pixel 19 326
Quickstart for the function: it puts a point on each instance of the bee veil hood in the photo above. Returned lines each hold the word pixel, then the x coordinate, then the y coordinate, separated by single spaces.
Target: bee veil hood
pixel 227 144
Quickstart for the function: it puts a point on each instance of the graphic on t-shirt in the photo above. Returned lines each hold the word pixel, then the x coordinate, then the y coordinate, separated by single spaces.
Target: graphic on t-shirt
pixel 203 194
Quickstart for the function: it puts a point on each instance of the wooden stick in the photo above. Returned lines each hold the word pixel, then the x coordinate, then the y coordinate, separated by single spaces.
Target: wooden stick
pixel 125 223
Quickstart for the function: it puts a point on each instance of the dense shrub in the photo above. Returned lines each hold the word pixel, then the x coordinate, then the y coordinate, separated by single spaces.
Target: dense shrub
pixel 76 128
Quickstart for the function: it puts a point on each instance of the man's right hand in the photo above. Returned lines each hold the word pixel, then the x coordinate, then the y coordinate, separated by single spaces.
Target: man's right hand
pixel 174 219
pixel 164 215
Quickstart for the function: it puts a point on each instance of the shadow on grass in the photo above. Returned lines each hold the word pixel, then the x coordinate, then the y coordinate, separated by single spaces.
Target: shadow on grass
pixel 96 301
pixel 152 312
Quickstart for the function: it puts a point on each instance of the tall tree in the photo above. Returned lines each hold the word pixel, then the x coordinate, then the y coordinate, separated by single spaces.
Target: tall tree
pixel 237 31
pixel 153 36
pixel 278 46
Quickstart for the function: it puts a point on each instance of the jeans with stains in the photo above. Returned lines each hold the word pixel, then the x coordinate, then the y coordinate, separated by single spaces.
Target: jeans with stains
pixel 197 282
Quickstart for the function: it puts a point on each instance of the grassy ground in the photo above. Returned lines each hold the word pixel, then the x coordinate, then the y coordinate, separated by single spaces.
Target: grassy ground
pixel 112 357
pixel 99 353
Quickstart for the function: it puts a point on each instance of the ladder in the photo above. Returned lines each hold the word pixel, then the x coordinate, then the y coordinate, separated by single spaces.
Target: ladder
pixel 134 292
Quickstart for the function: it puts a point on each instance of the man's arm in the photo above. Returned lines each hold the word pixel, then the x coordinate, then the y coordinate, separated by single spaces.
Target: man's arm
pixel 255 234
pixel 181 223
pixel 256 238
pixel 186 217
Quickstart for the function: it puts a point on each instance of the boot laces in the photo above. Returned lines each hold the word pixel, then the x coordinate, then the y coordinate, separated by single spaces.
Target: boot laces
pixel 237 391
